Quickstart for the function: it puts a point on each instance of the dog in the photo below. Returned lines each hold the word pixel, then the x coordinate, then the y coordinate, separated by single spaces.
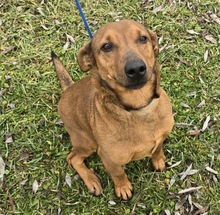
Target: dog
pixel 119 110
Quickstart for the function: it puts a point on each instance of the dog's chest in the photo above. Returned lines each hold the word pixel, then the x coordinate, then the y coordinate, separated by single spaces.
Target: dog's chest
pixel 131 137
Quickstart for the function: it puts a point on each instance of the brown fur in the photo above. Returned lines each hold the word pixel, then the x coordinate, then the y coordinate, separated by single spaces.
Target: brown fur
pixel 106 114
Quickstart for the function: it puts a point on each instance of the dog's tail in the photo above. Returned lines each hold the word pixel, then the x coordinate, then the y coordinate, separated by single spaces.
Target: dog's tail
pixel 64 77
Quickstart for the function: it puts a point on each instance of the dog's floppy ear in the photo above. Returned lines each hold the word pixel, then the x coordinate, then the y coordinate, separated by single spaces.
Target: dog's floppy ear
pixel 85 58
pixel 154 40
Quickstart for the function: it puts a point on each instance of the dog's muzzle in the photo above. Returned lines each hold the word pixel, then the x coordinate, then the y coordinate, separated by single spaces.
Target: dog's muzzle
pixel 135 71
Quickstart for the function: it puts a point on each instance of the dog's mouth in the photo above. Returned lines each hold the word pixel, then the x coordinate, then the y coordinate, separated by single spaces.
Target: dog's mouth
pixel 136 86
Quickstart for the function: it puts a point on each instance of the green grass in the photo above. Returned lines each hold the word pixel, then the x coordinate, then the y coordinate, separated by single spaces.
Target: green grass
pixel 28 107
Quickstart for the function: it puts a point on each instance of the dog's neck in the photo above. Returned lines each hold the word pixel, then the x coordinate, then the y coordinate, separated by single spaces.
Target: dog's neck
pixel 128 108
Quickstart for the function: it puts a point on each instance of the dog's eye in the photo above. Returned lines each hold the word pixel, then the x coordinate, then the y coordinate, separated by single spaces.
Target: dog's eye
pixel 107 47
pixel 143 39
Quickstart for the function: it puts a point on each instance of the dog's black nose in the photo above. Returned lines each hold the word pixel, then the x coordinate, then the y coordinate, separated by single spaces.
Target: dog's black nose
pixel 135 69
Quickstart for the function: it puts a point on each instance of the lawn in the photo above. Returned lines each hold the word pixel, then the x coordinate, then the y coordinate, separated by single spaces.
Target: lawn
pixel 34 176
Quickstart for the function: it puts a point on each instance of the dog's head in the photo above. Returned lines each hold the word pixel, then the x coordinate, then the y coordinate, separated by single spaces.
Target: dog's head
pixel 124 56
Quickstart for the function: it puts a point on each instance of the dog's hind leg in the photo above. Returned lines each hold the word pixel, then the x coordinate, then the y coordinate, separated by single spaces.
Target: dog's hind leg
pixel 76 159
pixel 88 176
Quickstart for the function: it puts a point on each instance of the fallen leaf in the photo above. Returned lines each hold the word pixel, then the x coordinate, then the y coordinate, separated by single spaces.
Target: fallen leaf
pixel 141 205
pixel 9 138
pixel 68 180
pixel 180 203
pixel 215 18
pixel 206 55
pixel 44 27
pixel 215 179
pixel 163 47
pixel 191 94
pixel 197 205
pixel 37 73
pixel 24 156
pixel 202 211
pixel 174 165
pixel 172 181
pixel 59 122
pixel 192 32
pixel 201 104
pixel 183 125
pixel 158 9
pixel 70 38
pixel 23 182
pixel 193 171
pixel 189 190
pixel 113 13
pixel 76 177
pixel 2 92
pixel 211 170
pixel 13 207
pixel 194 132
pixel 41 123
pixel 189 171
pixel 211 38
pixel 19 8
pixel 190 199
pixel 59 211
pixel 39 9
pixel 183 61
pixel 2 169
pixel 201 80
pixel 184 105
pixel 8 49
pixel 111 202
pixel 57 22
pixel 206 123
pixel 74 203
pixel 94 22
pixel 35 186
pixel 11 105
pixel 167 212
pixel 7 77
pixel 160 39
pixel 66 46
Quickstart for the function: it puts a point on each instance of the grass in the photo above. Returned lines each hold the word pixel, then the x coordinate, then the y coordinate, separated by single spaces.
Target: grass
pixel 34 144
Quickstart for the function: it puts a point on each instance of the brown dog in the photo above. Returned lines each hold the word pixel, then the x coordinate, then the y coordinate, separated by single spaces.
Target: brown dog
pixel 119 111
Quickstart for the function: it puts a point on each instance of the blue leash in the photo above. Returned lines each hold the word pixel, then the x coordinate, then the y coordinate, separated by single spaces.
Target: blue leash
pixel 83 18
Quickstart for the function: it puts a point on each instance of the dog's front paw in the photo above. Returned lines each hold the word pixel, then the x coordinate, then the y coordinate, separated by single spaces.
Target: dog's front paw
pixel 93 183
pixel 159 163
pixel 124 190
